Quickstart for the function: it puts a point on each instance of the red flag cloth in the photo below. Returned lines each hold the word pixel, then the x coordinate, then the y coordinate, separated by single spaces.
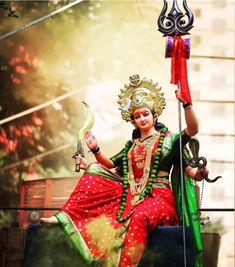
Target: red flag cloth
pixel 179 67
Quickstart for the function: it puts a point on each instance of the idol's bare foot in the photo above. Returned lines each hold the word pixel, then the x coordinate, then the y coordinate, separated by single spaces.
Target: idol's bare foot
pixel 50 220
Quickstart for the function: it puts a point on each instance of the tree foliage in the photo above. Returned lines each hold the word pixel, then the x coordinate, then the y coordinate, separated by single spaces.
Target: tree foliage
pixel 23 86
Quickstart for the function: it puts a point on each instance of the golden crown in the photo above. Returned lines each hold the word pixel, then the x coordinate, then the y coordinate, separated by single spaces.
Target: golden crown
pixel 138 94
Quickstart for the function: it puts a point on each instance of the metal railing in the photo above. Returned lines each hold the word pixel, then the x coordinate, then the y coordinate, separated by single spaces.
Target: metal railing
pixel 48 208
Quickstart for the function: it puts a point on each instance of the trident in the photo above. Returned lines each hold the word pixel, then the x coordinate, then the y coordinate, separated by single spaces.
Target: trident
pixel 173 26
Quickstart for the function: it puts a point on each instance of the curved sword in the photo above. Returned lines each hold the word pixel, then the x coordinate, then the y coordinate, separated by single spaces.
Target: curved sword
pixel 81 134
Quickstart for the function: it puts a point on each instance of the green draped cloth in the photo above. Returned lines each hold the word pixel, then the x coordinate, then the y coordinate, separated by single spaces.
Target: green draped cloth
pixel 185 197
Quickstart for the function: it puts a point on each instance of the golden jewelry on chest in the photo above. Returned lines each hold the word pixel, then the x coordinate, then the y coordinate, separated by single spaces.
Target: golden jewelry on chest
pixel 141 147
pixel 143 161
pixel 125 185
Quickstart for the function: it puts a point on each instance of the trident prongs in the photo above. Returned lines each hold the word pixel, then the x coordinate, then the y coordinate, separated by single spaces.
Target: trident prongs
pixel 175 23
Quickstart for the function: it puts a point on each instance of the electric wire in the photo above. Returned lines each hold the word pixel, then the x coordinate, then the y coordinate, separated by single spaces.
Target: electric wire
pixel 34 22
pixel 38 107
pixel 37 156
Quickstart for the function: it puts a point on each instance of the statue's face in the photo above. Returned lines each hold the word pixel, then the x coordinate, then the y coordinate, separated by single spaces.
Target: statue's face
pixel 143 119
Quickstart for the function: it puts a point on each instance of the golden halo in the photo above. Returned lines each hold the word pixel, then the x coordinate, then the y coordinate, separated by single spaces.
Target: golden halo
pixel 138 94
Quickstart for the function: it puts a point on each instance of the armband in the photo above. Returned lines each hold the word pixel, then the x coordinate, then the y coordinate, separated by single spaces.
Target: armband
pixel 95 151
pixel 186 105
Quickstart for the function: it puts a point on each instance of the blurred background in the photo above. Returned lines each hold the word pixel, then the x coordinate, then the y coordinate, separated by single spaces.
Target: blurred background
pixel 87 53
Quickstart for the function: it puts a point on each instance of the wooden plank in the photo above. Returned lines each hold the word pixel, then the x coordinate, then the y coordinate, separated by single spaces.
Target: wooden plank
pixel 44 193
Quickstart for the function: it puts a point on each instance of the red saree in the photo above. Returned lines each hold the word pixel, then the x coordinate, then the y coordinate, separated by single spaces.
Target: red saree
pixel 89 215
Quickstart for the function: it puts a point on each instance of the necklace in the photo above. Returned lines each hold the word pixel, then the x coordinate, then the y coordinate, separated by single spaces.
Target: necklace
pixel 141 148
pixel 146 147
pixel 147 188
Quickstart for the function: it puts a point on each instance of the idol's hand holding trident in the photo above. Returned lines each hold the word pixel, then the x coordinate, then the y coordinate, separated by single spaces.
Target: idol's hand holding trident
pixel 174 25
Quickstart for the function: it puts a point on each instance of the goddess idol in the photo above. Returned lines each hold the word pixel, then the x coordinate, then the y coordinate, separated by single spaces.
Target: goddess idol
pixel 120 200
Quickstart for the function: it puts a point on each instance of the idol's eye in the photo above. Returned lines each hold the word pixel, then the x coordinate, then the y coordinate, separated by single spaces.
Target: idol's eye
pixel 145 114
pixel 136 117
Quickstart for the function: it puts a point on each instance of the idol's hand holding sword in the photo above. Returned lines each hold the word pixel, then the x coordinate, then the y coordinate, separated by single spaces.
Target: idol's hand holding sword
pixel 84 135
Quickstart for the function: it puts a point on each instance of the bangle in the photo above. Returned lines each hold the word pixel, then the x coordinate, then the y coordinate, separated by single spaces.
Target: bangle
pixel 95 151
pixel 186 105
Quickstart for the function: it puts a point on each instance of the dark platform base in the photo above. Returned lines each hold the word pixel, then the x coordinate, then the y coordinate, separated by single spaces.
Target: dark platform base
pixel 165 248
pixel 48 246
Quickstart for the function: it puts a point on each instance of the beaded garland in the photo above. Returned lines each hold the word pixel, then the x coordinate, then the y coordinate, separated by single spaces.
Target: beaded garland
pixel 147 190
